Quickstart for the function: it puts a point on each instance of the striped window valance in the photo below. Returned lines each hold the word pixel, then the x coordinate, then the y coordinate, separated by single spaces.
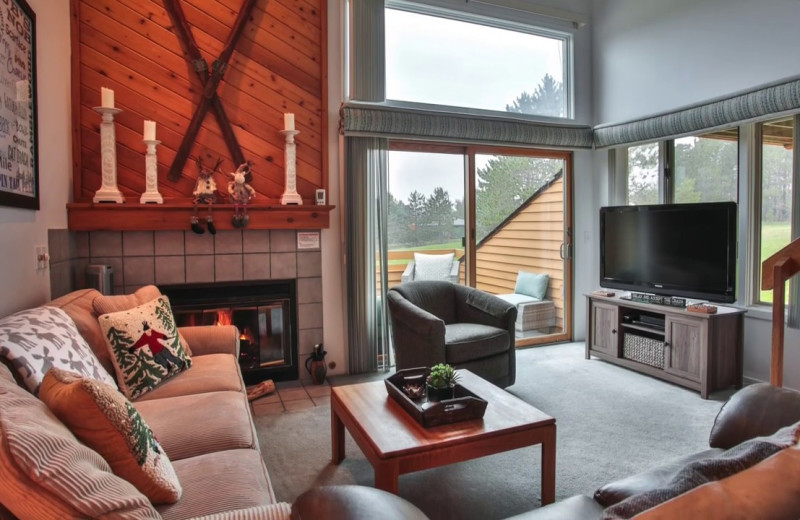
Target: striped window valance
pixel 753 105
pixel 381 120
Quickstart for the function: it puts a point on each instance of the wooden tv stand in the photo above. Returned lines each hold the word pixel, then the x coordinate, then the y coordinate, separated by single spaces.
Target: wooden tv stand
pixel 695 350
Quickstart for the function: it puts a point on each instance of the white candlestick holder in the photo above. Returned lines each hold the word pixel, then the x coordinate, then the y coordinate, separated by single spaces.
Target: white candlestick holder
pixel 108 192
pixel 151 194
pixel 290 195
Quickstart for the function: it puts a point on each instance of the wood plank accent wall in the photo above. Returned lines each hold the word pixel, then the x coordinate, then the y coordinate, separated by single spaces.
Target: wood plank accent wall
pixel 528 242
pixel 279 66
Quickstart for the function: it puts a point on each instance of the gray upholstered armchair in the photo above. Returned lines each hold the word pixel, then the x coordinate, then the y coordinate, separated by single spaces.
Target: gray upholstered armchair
pixel 442 322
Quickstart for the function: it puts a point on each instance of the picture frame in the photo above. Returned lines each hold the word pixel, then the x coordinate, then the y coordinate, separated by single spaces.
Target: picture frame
pixel 19 158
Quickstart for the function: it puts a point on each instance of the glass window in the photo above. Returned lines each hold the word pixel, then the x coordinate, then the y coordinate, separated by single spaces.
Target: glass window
pixel 643 174
pixel 435 60
pixel 706 167
pixel 426 207
pixel 776 191
pixel 504 183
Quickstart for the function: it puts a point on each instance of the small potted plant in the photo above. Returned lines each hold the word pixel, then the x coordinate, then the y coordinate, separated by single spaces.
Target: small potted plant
pixel 441 382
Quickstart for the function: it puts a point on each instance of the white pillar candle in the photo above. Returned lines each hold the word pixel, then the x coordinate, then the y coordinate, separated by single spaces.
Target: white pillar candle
pixel 288 121
pixel 106 97
pixel 149 130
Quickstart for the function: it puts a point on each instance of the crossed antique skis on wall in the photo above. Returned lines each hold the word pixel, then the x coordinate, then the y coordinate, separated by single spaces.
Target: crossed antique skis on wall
pixel 210 81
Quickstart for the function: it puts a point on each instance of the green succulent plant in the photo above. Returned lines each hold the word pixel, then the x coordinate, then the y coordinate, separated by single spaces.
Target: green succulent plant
pixel 442 376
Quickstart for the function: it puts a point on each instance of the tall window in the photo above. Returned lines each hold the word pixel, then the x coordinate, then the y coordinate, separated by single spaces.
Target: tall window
pixel 447 59
pixel 777 138
pixel 643 174
pixel 706 167
pixel 698 168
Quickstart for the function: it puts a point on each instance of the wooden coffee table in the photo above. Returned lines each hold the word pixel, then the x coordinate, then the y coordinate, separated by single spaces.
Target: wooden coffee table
pixel 394 443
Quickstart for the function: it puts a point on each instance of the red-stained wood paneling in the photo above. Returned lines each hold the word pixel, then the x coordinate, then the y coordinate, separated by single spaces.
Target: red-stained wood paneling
pixel 278 66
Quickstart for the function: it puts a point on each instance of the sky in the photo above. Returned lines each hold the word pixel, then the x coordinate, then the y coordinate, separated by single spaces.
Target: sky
pixel 448 62
pixel 440 61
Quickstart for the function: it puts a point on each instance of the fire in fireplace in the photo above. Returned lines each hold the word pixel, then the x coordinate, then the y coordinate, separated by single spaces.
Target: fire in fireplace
pixel 263 311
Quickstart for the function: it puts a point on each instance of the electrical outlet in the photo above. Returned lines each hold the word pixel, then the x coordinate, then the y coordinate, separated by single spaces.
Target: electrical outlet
pixel 42 258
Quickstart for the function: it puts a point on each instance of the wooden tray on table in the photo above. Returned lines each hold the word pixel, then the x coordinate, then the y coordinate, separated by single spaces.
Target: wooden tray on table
pixel 465 406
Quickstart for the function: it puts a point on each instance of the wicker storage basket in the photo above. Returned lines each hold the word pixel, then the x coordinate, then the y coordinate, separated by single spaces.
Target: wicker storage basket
pixel 643 350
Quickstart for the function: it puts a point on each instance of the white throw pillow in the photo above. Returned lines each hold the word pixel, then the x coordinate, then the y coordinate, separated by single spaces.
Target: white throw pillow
pixel 432 267
pixel 34 340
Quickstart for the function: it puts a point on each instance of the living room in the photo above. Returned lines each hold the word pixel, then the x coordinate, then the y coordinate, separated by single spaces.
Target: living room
pixel 631 60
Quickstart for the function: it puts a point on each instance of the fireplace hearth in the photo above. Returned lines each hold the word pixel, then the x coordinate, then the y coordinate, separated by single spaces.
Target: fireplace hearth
pixel 264 311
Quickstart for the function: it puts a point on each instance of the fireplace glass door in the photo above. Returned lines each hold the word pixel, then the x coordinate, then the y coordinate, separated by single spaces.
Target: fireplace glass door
pixel 264 331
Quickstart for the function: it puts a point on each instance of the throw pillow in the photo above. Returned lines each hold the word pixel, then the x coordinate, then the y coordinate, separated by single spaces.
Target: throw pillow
pixel 699 472
pixel 144 345
pixel 108 423
pixel 106 304
pixel 532 284
pixel 48 473
pixel 33 340
pixel 432 267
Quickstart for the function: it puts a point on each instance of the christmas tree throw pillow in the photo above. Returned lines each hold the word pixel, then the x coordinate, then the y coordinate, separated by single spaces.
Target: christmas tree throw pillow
pixel 145 347
pixel 108 423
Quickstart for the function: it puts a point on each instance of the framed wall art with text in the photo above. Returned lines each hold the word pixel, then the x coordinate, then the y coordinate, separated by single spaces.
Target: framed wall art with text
pixel 19 161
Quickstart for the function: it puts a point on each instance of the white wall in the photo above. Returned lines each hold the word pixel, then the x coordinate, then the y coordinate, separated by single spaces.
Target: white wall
pixel 334 293
pixel 655 55
pixel 22 230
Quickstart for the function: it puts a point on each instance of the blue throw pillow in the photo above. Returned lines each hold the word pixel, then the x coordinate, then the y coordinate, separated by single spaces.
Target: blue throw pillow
pixel 532 284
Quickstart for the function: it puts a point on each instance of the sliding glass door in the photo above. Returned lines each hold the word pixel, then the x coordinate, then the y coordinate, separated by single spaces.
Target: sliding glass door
pixel 522 246
pixel 485 217
pixel 425 215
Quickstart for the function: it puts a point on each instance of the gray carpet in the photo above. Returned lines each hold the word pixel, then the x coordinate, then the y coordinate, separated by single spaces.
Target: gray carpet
pixel 612 422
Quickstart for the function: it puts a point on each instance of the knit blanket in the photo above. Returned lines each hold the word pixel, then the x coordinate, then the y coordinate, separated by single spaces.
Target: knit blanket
pixel 699 472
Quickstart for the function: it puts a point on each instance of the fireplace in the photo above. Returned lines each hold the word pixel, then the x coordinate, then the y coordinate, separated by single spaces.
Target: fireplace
pixel 264 311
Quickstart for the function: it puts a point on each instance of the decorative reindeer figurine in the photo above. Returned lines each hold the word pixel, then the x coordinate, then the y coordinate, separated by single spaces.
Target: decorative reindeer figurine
pixel 241 193
pixel 205 192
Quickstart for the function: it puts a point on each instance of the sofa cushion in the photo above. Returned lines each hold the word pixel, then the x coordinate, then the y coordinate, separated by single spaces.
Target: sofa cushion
pixel 517 299
pixel 470 341
pixel 653 478
pixel 33 340
pixel 577 507
pixel 770 489
pixel 754 411
pixel 532 284
pixel 432 267
pixel 358 502
pixel 225 417
pixel 145 346
pixel 46 473
pixel 734 460
pixel 106 304
pixel 220 481
pixel 105 421
pixel 209 373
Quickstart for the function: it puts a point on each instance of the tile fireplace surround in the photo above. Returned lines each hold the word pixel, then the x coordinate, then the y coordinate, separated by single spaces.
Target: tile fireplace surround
pixel 173 257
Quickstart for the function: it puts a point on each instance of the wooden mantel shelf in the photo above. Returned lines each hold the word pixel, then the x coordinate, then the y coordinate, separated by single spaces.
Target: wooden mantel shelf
pixel 132 216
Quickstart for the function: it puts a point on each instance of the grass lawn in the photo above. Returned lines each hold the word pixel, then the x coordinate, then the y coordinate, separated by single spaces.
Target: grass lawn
pixel 774 237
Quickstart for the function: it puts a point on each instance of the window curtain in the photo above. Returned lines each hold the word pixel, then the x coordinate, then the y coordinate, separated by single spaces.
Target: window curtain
pixel 752 105
pixel 365 159
pixel 459 126
pixel 365 195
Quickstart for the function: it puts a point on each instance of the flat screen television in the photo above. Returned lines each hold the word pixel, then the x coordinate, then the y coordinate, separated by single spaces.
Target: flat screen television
pixel 686 250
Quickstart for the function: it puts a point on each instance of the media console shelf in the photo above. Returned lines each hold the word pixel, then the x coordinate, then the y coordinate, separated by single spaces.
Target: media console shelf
pixel 699 351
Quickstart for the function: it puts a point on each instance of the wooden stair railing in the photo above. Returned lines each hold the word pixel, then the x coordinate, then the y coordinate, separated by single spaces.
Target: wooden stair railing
pixel 775 270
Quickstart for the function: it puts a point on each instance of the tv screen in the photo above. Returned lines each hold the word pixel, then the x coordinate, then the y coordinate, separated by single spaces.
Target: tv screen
pixel 686 250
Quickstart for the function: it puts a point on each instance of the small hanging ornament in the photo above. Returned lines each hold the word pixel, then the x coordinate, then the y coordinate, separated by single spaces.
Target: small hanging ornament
pixel 241 193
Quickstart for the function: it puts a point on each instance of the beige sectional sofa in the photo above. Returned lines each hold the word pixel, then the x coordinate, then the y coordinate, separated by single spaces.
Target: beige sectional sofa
pixel 201 418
